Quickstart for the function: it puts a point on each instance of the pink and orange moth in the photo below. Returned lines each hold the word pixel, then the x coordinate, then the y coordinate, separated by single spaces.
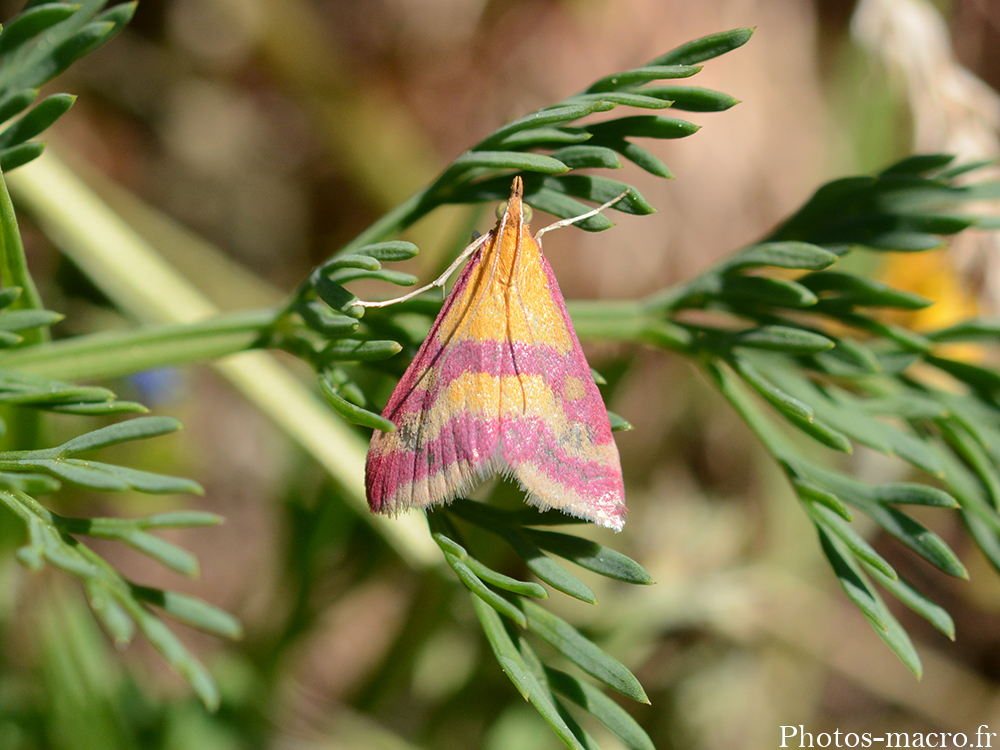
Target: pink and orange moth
pixel 500 385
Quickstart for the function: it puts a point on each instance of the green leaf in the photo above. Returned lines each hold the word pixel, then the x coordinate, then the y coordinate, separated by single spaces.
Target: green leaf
pixel 499 580
pixel 904 242
pixel 441 527
pixel 16 102
pixel 355 350
pixel 18 156
pixel 914 535
pixel 146 481
pixel 160 550
pixel 974 455
pixel 350 260
pixel 941 223
pixel 336 296
pixel 975 329
pixel 37 120
pixel 352 413
pixel 774 395
pixel 9 296
pixel 637 155
pixel 132 429
pixel 870 603
pixel 644 126
pixel 642 75
pixel 583 157
pixel 551 116
pixel 99 476
pixel 618 422
pixel 908 404
pixel 477 587
pixel 192 611
pixel 98 408
pixel 180 519
pixel 692 98
pixel 67 49
pixel 80 44
pixel 919 164
pixel 909 493
pixel 764 290
pixel 33 22
pixel 34 484
pixel 834 523
pixel 112 615
pixel 783 339
pixel 961 169
pixel 822 432
pixel 79 473
pixel 584 653
pixel 579 732
pixel 9 339
pixel 398 278
pixel 981 380
pixel 547 137
pixel 514 666
pixel 907 339
pixel 19 320
pixel 386 252
pixel 318 316
pixel 848 358
pixel 601 190
pixel 601 707
pixel 547 569
pixel 590 555
pixel 855 290
pixel 16 388
pixel 510 160
pixel 934 614
pixel 627 99
pixel 564 207
pixel 110 595
pixel 807 491
pixel 985 536
pixel 844 413
pixel 705 48
pixel 178 657
pixel 798 255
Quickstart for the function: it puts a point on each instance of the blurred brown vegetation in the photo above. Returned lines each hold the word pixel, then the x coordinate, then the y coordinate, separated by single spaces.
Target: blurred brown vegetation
pixel 275 130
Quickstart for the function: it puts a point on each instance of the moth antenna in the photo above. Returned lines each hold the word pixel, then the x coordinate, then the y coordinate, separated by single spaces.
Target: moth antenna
pixel 440 281
pixel 581 217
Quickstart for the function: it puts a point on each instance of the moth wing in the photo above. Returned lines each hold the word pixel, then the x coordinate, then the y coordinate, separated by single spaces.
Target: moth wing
pixel 445 407
pixel 556 436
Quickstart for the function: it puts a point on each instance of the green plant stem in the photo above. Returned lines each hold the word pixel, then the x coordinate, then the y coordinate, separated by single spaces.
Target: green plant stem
pixel 23 425
pixel 112 354
pixel 730 387
pixel 14 266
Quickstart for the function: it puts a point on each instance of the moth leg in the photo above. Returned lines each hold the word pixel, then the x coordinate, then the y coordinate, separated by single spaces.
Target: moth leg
pixel 440 281
pixel 581 217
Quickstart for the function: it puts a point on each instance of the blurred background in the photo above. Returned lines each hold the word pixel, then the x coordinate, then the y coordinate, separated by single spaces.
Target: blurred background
pixel 259 136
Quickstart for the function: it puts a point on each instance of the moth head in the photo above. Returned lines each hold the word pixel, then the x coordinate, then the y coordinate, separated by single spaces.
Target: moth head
pixel 526 213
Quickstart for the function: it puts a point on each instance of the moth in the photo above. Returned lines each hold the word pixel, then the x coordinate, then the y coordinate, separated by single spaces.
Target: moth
pixel 500 386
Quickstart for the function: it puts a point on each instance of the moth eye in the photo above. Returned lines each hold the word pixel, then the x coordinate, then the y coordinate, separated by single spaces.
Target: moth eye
pixel 526 212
